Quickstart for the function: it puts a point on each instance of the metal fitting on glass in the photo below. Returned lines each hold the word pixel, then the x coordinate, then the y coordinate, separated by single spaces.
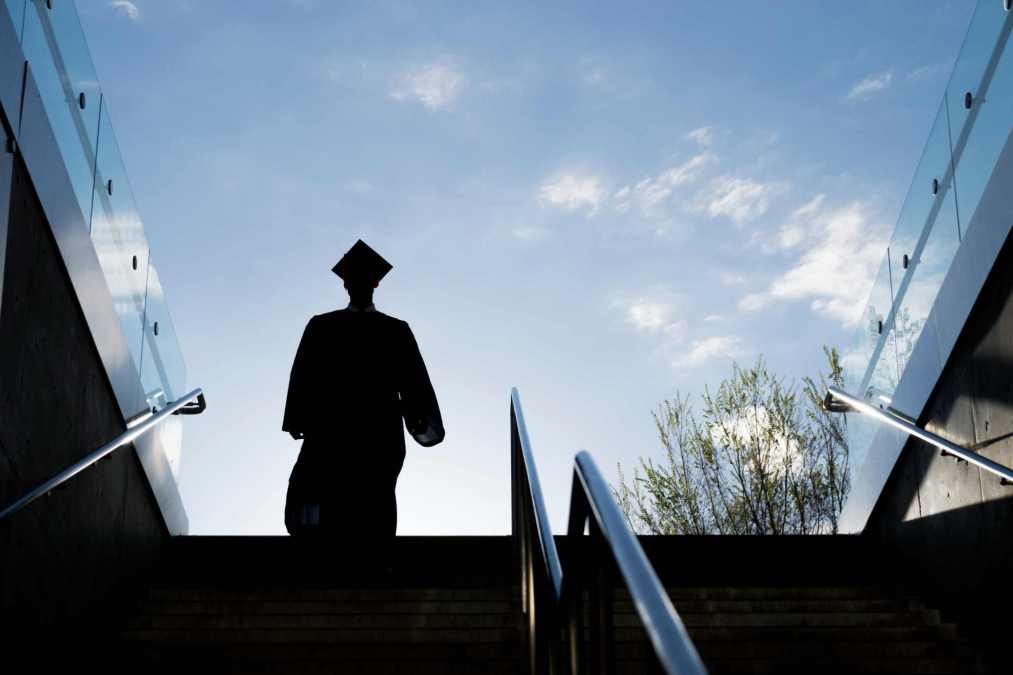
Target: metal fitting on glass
pixel 968 100
pixel 81 100
pixel 905 261
pixel 49 4
pixel 155 328
pixel 133 262
pixel 935 183
pixel 879 327
pixel 1007 4
pixel 109 186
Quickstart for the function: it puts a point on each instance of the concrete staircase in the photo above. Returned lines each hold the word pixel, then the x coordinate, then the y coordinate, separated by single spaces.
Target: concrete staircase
pixel 450 605
pixel 277 605
pixel 803 630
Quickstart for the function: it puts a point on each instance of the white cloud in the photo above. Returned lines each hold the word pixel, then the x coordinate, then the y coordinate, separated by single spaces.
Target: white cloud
pixel 871 85
pixel 927 72
pixel 837 268
pixel 739 199
pixel 810 208
pixel 655 313
pixel 651 193
pixel 704 135
pixel 754 302
pixel 790 235
pixel 529 232
pixel 707 349
pixel 434 85
pixel 654 316
pixel 127 8
pixel 732 279
pixel 782 451
pixel 572 192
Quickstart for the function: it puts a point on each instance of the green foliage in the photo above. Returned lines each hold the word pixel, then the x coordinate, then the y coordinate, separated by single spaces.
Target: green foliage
pixel 763 457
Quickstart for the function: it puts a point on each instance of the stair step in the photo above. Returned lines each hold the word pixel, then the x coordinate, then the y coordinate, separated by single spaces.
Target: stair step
pixel 925 617
pixel 811 648
pixel 346 620
pixel 781 593
pixel 885 665
pixel 361 651
pixel 344 595
pixel 793 635
pixel 249 607
pixel 772 606
pixel 394 636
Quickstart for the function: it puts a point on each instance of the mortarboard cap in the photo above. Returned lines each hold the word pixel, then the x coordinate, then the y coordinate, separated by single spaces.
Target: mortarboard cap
pixel 361 263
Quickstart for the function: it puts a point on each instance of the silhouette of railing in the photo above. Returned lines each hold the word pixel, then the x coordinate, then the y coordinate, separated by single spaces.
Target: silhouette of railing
pixel 191 404
pixel 552 590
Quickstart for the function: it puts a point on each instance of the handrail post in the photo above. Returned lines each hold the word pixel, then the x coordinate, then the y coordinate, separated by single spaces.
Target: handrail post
pixel 602 630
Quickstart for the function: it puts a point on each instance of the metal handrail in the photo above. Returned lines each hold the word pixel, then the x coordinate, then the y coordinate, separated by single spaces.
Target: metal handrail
pixel 541 521
pixel 840 401
pixel 592 503
pixel 540 569
pixel 191 404
pixel 549 591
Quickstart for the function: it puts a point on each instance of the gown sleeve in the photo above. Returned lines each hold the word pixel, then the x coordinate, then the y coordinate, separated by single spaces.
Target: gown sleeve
pixel 418 400
pixel 300 396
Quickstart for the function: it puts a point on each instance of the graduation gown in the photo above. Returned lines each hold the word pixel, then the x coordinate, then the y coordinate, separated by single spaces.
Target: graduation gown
pixel 357 377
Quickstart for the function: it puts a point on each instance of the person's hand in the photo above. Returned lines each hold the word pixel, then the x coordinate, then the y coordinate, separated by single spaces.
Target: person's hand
pixel 297 435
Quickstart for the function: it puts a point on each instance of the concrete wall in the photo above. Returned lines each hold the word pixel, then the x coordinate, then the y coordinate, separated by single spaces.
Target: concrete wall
pixel 72 559
pixel 948 525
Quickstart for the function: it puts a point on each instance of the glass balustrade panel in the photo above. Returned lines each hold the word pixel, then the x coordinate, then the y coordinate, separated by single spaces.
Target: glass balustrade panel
pixel 985 69
pixel 16 10
pixel 118 235
pixel 163 372
pixel 61 65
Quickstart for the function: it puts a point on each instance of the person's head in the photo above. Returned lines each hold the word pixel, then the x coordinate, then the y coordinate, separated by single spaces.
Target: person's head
pixel 361 269
pixel 360 292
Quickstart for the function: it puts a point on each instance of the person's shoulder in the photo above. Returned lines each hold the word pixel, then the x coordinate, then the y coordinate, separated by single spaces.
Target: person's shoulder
pixel 327 317
pixel 388 319
pixel 326 320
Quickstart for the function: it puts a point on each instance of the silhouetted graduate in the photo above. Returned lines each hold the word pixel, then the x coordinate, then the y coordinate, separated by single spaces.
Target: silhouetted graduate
pixel 357 374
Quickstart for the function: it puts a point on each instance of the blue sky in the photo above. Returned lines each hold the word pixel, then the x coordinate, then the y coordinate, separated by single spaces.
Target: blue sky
pixel 600 205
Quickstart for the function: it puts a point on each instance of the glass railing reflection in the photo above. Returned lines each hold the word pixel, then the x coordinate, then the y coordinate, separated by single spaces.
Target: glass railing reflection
pixel 118 236
pixel 16 10
pixel 60 64
pixel 163 372
pixel 971 128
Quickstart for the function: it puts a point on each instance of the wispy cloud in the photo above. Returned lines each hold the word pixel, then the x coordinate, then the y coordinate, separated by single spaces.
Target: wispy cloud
pixel 836 267
pixel 529 232
pixel 650 193
pixel 573 192
pixel 870 86
pixel 435 85
pixel 732 279
pixel 739 199
pixel 127 9
pixel 655 315
pixel 926 73
pixel 704 136
pixel 708 349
